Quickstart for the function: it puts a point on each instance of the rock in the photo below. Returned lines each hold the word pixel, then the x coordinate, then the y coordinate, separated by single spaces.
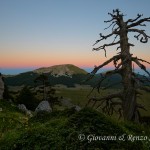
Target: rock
pixel 23 108
pixel 67 103
pixel 28 113
pixel 1 87
pixel 77 108
pixel 43 106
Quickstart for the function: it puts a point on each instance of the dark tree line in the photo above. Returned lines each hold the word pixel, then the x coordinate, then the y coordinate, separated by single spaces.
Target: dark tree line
pixel 126 100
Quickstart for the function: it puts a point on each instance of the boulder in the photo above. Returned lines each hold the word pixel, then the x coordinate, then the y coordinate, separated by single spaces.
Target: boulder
pixel 1 87
pixel 67 103
pixel 77 108
pixel 43 106
pixel 23 108
pixel 28 113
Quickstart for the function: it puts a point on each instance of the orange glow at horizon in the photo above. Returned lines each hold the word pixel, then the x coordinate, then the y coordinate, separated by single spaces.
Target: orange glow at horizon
pixel 25 59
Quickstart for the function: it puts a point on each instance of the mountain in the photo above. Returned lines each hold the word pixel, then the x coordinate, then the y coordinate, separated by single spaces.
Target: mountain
pixel 68 75
pixel 61 70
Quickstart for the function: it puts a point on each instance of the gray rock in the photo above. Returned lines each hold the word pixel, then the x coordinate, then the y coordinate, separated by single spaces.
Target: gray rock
pixel 77 108
pixel 23 108
pixel 28 113
pixel 43 106
pixel 67 103
pixel 1 87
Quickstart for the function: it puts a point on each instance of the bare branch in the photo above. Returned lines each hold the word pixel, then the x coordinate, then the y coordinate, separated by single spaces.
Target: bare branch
pixel 143 39
pixel 138 22
pixel 110 19
pixel 102 37
pixel 117 57
pixel 119 65
pixel 128 44
pixel 115 38
pixel 109 105
pixel 118 48
pixel 144 25
pixel 108 97
pixel 133 20
pixel 105 45
pixel 110 25
pixel 100 104
pixel 141 60
pixel 141 65
pixel 131 44
pixel 114 15
pixel 112 105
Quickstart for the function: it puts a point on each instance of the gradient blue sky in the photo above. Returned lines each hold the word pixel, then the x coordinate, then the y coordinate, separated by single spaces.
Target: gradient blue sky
pixel 37 33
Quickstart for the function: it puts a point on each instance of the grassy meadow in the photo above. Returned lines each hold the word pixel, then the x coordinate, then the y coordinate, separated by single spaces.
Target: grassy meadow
pixel 81 95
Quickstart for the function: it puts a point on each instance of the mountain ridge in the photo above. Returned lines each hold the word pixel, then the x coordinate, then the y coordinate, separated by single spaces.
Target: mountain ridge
pixel 61 70
pixel 66 74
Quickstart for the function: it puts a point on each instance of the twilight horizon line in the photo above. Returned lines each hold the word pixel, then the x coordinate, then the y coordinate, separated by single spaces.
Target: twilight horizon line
pixel 15 71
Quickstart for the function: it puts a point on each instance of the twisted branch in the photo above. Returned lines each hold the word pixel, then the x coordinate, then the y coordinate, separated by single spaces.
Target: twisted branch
pixel 141 60
pixel 108 100
pixel 143 39
pixel 138 22
pixel 105 45
pixel 117 57
pixel 133 20
pixel 140 65
pixel 103 37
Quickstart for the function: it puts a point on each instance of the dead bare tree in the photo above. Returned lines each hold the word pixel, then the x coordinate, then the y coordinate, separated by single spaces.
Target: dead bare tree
pixel 127 98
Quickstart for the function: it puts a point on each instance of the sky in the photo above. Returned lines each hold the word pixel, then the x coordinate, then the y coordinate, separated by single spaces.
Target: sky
pixel 42 33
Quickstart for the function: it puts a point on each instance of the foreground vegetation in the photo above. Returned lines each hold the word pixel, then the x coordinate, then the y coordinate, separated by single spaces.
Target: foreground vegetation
pixel 66 130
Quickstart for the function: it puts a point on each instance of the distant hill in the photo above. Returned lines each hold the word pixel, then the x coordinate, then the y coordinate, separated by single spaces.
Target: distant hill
pixel 61 70
pixel 68 75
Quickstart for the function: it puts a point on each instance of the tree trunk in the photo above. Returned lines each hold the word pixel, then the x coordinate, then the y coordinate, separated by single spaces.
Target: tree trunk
pixel 129 95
